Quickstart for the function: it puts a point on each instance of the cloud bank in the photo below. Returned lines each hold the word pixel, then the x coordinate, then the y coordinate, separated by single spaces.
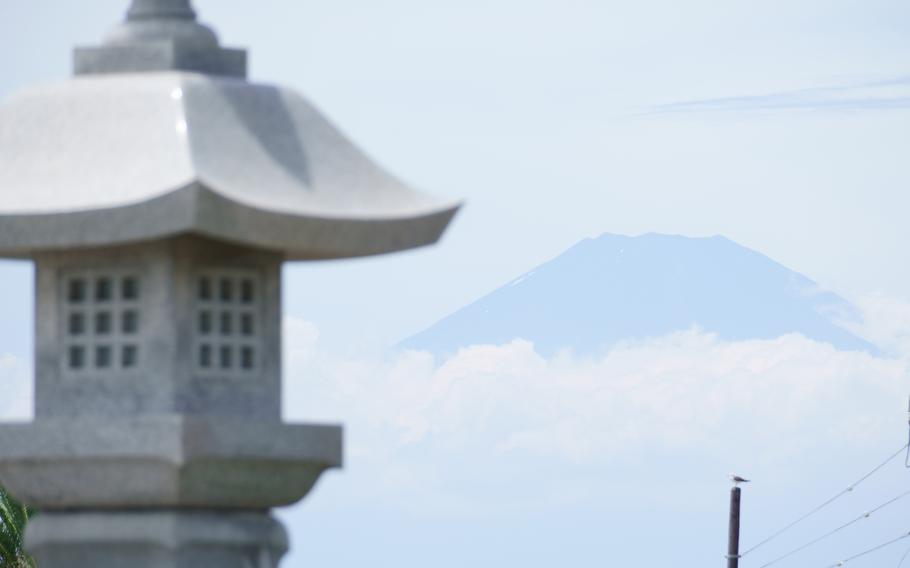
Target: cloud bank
pixel 438 427
pixel 501 456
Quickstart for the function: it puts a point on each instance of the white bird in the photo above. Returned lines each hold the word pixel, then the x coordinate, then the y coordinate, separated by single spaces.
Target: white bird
pixel 737 479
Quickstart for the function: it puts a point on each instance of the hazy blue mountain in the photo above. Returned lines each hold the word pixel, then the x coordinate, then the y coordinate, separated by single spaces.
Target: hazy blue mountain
pixel 614 287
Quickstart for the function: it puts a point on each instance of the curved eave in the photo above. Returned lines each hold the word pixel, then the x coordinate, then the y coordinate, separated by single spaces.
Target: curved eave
pixel 197 210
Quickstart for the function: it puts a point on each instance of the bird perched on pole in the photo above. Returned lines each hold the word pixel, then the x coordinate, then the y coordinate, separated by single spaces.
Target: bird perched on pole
pixel 737 480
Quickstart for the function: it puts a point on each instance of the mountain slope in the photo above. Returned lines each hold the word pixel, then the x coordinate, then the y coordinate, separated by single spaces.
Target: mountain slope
pixel 615 288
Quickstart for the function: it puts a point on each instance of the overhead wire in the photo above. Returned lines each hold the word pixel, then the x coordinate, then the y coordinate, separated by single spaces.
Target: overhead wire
pixel 904 557
pixel 830 533
pixel 869 551
pixel 845 491
pixel 907 459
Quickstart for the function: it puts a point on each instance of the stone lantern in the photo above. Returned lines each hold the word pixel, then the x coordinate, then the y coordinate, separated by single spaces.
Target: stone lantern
pixel 159 193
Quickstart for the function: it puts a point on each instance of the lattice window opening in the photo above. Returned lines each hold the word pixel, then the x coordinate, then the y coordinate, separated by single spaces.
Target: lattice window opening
pixel 101 322
pixel 227 322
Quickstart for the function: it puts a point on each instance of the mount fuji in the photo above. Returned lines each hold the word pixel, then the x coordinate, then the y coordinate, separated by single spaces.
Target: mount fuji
pixel 615 288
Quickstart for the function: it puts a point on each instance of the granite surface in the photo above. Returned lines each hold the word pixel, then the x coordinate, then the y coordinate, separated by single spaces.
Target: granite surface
pixel 156 539
pixel 165 462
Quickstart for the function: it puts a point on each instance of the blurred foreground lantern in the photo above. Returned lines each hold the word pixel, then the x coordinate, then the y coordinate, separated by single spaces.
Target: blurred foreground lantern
pixel 159 193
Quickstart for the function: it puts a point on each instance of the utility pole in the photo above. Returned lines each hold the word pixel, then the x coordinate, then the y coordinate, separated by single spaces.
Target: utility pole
pixel 733 541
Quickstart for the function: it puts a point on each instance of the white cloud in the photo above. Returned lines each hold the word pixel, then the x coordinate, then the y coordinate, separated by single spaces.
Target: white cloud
pixel 16 391
pixel 300 340
pixel 885 322
pixel 890 94
pixel 503 414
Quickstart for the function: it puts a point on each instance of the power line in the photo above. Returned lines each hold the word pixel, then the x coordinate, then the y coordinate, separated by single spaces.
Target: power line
pixel 847 490
pixel 907 459
pixel 904 557
pixel 865 515
pixel 869 551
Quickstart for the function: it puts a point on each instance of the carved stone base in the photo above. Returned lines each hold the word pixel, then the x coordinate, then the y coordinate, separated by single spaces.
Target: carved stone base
pixel 156 539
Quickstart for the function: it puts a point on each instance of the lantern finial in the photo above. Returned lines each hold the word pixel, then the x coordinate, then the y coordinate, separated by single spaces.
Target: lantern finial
pixel 161 35
pixel 161 9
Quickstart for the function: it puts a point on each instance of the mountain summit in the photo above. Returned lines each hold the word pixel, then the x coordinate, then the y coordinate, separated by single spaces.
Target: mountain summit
pixel 614 288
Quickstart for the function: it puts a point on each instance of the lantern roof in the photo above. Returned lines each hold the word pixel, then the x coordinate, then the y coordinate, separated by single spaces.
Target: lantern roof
pixel 160 134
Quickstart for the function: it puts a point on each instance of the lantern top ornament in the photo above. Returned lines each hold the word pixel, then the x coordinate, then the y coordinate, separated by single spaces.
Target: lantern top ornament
pixel 161 35
pixel 160 134
pixel 161 9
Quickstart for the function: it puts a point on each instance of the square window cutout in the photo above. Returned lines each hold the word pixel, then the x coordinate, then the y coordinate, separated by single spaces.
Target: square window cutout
pixel 101 314
pixel 227 322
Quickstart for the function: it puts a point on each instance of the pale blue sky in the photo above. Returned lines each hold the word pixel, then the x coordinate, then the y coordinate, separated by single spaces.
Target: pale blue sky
pixel 780 124
pixel 547 118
